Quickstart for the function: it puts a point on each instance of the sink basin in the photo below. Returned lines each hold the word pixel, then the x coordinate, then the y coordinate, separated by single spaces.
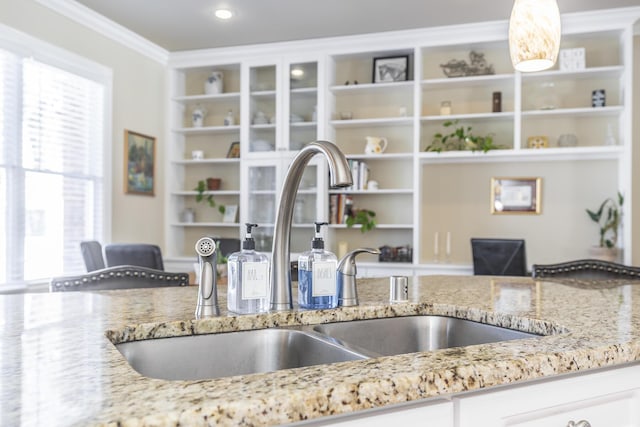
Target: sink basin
pixel 197 357
pixel 234 353
pixel 400 335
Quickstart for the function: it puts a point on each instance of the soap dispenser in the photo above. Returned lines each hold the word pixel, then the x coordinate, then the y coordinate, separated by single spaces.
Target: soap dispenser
pixel 248 286
pixel 317 275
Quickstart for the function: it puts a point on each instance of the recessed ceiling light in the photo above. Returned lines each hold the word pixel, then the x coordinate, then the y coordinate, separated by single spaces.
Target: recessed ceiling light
pixel 297 72
pixel 223 14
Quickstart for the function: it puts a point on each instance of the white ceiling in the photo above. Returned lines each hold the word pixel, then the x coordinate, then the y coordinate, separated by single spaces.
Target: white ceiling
pixel 189 24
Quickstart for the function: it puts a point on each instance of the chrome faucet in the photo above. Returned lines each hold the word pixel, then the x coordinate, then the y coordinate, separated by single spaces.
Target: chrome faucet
pixel 346 277
pixel 207 305
pixel 340 175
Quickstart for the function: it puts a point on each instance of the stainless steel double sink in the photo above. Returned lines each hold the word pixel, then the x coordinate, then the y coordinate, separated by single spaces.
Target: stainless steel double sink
pixel 196 357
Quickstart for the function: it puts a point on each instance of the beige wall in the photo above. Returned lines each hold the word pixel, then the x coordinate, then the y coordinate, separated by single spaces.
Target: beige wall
pixel 562 231
pixel 139 101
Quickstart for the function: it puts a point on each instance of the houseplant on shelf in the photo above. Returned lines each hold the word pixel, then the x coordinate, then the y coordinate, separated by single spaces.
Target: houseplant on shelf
pixel 608 217
pixel 364 217
pixel 202 188
pixel 460 139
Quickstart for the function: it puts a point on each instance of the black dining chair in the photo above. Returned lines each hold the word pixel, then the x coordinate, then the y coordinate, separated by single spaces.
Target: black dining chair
pixel 140 254
pixel 227 246
pixel 586 269
pixel 120 277
pixel 499 257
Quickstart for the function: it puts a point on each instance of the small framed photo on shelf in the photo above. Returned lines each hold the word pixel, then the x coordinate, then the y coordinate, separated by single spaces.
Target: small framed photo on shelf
pixel 234 150
pixel 139 163
pixel 515 195
pixel 391 69
pixel 572 59
pixel 230 213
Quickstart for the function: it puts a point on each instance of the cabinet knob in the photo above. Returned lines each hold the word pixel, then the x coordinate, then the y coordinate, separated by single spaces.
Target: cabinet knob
pixel 581 423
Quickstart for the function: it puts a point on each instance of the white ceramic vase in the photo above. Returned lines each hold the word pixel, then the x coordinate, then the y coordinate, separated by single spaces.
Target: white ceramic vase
pixel 214 83
pixel 197 117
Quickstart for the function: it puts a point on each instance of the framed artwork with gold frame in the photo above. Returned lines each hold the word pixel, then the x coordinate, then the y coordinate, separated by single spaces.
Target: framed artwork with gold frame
pixel 139 163
pixel 234 150
pixel 511 195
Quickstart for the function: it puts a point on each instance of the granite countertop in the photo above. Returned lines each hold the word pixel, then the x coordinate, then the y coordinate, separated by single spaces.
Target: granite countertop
pixel 58 365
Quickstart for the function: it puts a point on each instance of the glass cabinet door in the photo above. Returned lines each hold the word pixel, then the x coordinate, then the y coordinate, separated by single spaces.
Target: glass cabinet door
pixel 262 204
pixel 306 209
pixel 263 108
pixel 303 103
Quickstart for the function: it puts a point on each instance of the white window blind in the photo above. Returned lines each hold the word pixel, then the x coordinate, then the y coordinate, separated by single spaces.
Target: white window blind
pixel 51 168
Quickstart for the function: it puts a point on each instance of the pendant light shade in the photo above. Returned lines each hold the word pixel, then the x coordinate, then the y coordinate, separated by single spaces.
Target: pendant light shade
pixel 534 34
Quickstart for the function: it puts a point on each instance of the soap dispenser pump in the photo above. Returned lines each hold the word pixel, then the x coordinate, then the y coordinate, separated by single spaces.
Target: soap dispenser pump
pixel 248 287
pixel 317 275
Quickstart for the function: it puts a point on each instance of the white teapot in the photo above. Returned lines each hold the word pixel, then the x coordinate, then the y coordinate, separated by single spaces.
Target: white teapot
pixel 375 145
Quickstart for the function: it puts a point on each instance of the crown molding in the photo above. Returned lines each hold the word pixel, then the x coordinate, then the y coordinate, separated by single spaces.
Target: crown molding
pixel 600 20
pixel 338 45
pixel 113 31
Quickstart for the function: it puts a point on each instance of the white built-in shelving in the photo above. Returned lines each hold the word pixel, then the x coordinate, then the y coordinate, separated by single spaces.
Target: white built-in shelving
pixel 420 193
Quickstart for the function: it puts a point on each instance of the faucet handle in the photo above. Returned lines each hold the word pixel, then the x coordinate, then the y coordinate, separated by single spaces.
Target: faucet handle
pixel 347 289
pixel 347 264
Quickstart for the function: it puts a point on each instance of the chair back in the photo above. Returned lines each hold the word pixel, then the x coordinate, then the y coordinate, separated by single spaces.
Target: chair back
pixel 92 255
pixel 227 246
pixel 499 257
pixel 139 254
pixel 586 269
pixel 120 277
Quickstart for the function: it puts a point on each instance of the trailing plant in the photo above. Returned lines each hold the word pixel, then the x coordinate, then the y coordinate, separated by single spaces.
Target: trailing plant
pixel 608 217
pixel 364 217
pixel 201 188
pixel 460 139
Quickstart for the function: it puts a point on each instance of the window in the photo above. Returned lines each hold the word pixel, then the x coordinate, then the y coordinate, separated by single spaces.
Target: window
pixel 52 141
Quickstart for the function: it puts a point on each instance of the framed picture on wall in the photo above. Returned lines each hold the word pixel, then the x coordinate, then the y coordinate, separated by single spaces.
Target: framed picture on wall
pixel 391 69
pixel 139 163
pixel 515 195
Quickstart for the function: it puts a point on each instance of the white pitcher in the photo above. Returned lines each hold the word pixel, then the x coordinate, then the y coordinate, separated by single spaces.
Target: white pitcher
pixel 375 145
pixel 214 83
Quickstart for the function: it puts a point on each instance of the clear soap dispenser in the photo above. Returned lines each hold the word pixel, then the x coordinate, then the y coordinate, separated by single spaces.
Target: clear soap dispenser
pixel 317 275
pixel 248 287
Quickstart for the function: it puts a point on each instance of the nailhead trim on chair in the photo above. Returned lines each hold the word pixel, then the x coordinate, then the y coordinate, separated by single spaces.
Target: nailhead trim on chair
pixel 565 269
pixel 119 273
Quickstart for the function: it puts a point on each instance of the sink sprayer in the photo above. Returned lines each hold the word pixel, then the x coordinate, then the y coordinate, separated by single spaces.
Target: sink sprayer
pixel 207 289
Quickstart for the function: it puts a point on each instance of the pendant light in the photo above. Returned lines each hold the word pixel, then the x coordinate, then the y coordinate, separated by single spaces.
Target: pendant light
pixel 534 34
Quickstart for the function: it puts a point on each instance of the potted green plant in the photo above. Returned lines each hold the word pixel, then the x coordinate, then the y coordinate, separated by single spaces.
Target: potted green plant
pixel 460 139
pixel 202 188
pixel 364 217
pixel 608 217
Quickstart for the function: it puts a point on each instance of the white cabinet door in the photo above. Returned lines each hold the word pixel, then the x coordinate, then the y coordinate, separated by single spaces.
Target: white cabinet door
pixel 605 398
pixel 437 413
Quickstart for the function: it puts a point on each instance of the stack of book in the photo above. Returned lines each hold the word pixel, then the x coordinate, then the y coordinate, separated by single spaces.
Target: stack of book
pixel 340 208
pixel 359 173
pixel 341 205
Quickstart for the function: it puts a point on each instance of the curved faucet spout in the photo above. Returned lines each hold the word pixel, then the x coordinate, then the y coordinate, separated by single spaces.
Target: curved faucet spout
pixel 280 257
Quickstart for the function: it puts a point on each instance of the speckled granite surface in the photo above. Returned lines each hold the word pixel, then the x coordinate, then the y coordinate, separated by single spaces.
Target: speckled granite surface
pixel 57 366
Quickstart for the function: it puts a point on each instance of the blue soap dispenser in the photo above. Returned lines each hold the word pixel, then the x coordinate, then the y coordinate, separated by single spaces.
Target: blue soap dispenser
pixel 248 287
pixel 317 275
